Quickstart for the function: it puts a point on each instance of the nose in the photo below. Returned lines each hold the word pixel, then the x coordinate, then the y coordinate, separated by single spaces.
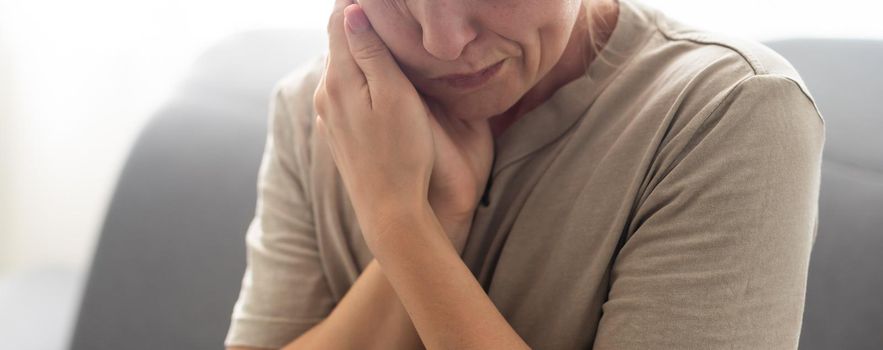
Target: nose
pixel 447 28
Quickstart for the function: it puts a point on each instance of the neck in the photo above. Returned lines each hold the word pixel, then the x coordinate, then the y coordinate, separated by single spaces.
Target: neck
pixel 570 66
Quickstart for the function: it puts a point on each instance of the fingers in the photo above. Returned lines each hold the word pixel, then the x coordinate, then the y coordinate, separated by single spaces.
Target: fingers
pixel 358 60
pixel 370 53
pixel 340 62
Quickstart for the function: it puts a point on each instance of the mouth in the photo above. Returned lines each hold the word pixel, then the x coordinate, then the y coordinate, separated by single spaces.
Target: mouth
pixel 472 80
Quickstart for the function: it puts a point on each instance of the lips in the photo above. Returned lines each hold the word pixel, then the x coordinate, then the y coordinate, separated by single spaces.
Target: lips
pixel 472 79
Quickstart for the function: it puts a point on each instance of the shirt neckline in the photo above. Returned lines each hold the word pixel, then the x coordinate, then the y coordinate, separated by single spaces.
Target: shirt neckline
pixel 548 121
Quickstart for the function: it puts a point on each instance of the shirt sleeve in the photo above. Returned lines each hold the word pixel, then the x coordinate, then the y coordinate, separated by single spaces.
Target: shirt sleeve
pixel 284 291
pixel 719 251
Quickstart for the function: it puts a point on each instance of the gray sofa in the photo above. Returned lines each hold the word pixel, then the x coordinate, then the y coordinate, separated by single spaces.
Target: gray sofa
pixel 167 269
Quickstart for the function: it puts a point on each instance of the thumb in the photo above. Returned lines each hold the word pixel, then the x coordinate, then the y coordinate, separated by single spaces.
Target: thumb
pixel 369 51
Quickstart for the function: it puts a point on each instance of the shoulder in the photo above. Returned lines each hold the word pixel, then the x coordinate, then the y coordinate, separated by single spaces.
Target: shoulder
pixel 293 93
pixel 705 68
pixel 756 56
pixel 715 88
pixel 292 114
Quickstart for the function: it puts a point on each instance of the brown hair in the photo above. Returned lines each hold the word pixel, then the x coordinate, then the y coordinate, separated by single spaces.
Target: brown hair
pixel 589 19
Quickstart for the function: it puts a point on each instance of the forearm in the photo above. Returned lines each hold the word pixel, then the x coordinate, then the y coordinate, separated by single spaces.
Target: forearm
pixel 457 229
pixel 447 305
pixel 370 313
pixel 369 316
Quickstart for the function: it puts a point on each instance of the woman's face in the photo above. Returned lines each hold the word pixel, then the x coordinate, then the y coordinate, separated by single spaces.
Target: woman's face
pixel 432 39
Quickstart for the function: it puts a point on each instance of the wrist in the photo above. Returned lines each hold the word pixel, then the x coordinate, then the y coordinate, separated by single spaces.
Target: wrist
pixel 457 228
pixel 457 223
pixel 386 213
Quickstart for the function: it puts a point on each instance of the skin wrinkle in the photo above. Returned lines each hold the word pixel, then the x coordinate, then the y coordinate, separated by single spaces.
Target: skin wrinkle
pixel 397 5
pixel 543 45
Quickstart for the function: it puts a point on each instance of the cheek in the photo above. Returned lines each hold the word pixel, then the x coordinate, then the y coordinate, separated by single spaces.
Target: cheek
pixel 531 16
pixel 537 30
pixel 542 35
pixel 399 32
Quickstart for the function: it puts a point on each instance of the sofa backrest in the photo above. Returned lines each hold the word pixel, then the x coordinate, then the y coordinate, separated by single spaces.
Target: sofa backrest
pixel 170 257
pixel 844 307
pixel 169 263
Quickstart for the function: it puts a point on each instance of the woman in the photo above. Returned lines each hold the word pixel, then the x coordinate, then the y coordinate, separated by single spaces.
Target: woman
pixel 551 174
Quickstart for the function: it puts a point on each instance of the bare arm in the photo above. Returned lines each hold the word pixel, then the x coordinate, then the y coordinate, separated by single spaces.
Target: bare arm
pixel 382 138
pixel 448 306
pixel 370 315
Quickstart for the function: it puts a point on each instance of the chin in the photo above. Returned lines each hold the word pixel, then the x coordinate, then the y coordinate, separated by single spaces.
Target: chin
pixel 478 105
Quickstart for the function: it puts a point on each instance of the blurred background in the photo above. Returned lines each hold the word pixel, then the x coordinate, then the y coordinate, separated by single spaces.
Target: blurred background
pixel 80 79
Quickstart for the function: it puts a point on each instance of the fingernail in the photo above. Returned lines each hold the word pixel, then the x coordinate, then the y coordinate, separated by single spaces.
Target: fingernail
pixel 355 19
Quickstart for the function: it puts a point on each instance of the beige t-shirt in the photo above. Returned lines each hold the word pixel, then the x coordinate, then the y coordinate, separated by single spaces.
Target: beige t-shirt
pixel 668 199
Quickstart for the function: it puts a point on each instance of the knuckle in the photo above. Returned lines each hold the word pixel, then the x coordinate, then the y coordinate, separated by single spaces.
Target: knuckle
pixel 320 124
pixel 333 88
pixel 334 21
pixel 319 101
pixel 369 52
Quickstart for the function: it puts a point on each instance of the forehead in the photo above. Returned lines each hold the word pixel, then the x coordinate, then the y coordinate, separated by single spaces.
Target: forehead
pixel 487 12
pixel 409 6
pixel 397 5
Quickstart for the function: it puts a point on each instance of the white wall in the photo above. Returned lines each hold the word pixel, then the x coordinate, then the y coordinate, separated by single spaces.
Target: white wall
pixel 77 81
pixel 770 19
pixel 78 78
